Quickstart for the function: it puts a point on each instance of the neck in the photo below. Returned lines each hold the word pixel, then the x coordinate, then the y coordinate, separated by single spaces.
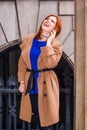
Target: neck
pixel 44 36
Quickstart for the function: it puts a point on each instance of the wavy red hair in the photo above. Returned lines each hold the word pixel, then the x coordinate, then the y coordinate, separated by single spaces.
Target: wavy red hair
pixel 58 26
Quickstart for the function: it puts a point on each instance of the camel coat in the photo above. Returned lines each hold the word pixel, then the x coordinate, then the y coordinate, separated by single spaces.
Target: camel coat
pixel 48 87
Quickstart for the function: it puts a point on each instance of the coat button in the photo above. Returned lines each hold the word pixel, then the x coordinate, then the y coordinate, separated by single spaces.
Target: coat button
pixel 44 82
pixel 45 94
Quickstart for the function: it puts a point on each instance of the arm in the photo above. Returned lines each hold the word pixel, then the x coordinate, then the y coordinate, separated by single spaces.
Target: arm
pixel 21 63
pixel 51 54
pixel 21 69
pixel 21 74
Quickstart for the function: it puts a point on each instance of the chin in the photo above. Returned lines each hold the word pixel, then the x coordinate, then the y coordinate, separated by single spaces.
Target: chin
pixel 46 29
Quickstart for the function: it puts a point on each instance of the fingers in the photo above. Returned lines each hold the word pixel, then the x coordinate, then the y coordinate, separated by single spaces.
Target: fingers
pixel 22 88
pixel 51 37
pixel 53 33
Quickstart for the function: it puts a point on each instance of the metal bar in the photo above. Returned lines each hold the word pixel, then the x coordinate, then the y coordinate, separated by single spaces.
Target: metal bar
pixel 11 110
pixel 68 120
pixel 8 90
pixel 56 127
pixel 1 111
pixel 15 90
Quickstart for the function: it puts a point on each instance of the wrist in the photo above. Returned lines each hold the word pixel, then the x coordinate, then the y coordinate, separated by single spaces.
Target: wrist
pixel 22 82
pixel 48 43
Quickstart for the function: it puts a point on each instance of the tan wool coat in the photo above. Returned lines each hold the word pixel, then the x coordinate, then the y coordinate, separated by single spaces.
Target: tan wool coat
pixel 48 87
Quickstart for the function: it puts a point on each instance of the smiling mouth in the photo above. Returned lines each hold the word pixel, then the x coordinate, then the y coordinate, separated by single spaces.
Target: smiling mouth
pixel 45 24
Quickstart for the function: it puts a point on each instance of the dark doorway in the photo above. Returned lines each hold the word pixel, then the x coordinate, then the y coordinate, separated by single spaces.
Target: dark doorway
pixel 10 96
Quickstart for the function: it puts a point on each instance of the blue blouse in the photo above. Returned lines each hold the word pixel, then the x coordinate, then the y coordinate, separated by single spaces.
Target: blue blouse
pixel 34 54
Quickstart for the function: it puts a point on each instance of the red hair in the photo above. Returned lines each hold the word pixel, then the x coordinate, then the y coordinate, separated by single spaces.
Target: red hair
pixel 58 26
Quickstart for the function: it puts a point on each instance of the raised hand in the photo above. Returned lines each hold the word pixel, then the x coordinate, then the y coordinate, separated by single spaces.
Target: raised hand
pixel 51 37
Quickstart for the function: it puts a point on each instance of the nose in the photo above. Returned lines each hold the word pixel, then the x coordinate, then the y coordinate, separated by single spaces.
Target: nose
pixel 48 21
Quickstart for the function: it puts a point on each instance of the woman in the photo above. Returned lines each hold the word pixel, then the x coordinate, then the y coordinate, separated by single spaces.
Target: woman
pixel 40 53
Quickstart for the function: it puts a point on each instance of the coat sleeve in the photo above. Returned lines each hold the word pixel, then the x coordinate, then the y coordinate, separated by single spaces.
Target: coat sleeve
pixel 51 54
pixel 21 69
pixel 21 64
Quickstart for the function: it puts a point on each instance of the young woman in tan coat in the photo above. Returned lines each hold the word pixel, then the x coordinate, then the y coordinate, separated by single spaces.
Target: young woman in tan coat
pixel 40 53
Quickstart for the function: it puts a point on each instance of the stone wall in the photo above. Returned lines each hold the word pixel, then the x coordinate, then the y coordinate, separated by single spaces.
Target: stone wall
pixel 21 17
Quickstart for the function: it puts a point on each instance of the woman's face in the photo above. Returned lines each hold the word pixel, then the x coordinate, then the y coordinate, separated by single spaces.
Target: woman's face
pixel 49 24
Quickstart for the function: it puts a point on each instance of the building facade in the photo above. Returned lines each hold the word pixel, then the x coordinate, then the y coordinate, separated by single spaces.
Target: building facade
pixel 16 20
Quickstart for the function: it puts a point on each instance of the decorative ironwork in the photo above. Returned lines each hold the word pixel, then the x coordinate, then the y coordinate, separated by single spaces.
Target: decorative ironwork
pixel 11 96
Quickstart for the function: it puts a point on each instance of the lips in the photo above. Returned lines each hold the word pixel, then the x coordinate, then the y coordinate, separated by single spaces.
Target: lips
pixel 46 24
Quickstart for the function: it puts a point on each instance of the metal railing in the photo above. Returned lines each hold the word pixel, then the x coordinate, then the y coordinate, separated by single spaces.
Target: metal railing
pixel 9 108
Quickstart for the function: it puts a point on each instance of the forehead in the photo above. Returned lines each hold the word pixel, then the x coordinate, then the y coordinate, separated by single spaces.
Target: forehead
pixel 52 17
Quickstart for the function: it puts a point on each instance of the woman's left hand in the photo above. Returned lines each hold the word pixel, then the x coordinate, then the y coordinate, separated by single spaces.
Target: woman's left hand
pixel 51 37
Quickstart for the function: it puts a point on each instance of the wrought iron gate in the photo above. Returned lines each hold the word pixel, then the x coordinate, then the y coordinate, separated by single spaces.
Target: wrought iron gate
pixel 10 98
